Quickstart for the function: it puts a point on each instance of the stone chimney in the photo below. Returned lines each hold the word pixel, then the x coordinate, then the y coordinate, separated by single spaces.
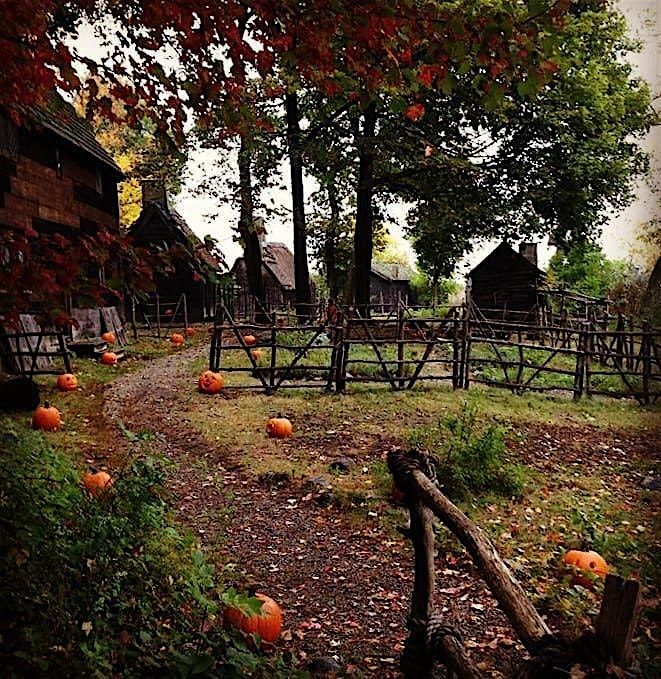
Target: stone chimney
pixel 529 251
pixel 153 191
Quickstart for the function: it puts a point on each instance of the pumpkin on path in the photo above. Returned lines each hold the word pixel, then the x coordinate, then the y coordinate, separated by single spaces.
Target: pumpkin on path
pixel 267 624
pixel 279 427
pixel 210 382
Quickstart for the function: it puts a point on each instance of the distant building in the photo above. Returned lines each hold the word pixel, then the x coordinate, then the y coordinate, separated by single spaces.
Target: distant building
pixel 505 284
pixel 388 283
pixel 196 273
pixel 279 279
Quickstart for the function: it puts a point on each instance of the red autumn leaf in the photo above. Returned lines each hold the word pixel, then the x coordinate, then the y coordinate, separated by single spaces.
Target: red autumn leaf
pixel 414 112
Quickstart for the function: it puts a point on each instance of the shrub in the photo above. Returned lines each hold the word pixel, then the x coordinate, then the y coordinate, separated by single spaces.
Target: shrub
pixel 101 586
pixel 470 460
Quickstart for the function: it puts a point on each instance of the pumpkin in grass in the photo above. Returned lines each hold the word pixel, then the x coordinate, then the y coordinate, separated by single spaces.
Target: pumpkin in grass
pixel 587 561
pixel 267 624
pixel 177 339
pixel 109 337
pixel 96 483
pixel 256 354
pixel 249 340
pixel 67 382
pixel 210 382
pixel 190 332
pixel 279 427
pixel 46 418
pixel 109 358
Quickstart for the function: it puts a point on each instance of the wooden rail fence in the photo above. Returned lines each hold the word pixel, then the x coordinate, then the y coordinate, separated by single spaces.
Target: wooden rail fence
pixel 461 347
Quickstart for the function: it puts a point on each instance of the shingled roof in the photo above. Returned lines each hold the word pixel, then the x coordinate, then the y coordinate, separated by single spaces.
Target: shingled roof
pixel 279 260
pixel 177 223
pixel 60 117
pixel 392 272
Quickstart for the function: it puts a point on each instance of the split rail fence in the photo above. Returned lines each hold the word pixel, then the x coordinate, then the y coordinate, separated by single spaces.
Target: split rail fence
pixel 460 347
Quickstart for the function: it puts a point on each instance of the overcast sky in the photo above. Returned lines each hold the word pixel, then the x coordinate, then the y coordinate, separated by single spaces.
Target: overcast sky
pixel 618 238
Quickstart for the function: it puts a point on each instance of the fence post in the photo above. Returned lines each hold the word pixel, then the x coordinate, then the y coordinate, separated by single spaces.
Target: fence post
pixel 158 316
pixel 580 362
pixel 400 342
pixel 456 350
pixel 183 294
pixel 274 342
pixel 465 377
pixel 589 350
pixel 645 350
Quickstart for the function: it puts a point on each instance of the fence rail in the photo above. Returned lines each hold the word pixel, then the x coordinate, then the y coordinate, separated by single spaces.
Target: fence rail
pixel 461 348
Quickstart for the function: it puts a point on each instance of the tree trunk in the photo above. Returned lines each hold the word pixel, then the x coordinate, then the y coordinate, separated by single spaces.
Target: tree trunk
pixel 301 274
pixel 330 259
pixel 363 239
pixel 252 251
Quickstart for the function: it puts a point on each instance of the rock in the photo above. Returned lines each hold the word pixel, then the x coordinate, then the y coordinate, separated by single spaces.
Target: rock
pixel 342 464
pixel 318 483
pixel 651 482
pixel 274 479
pixel 324 666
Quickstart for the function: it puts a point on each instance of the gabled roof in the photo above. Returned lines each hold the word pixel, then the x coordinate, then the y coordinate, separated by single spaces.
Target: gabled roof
pixel 506 257
pixel 60 117
pixel 279 260
pixel 392 272
pixel 179 227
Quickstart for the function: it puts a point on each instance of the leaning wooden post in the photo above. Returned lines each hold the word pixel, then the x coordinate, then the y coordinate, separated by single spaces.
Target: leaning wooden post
pixel 456 349
pixel 617 619
pixel 134 325
pixel 183 295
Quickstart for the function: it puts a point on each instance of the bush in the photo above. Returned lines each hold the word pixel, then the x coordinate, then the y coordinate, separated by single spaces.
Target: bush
pixel 103 586
pixel 470 461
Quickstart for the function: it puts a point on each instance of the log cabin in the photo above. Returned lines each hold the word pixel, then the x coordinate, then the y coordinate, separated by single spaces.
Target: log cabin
pixel 505 284
pixel 55 177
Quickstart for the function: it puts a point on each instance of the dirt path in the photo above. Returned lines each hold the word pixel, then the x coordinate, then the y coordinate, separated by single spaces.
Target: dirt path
pixel 344 586
pixel 344 583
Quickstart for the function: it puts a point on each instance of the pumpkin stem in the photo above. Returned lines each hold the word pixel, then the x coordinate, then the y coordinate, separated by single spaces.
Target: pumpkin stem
pixel 46 404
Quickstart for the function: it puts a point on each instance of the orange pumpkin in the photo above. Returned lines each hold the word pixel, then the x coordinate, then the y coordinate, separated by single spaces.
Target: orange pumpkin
pixel 190 332
pixel 587 561
pixel 109 338
pixel 67 382
pixel 267 624
pixel 109 358
pixel 210 382
pixel 177 339
pixel 250 340
pixel 279 427
pixel 96 483
pixel 46 417
pixel 256 354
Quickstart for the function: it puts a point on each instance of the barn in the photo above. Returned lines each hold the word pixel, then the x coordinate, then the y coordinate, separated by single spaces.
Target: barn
pixel 159 228
pixel 505 284
pixel 278 275
pixel 388 283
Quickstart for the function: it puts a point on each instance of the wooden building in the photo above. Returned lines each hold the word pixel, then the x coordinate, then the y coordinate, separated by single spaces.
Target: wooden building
pixel 505 284
pixel 388 283
pixel 279 280
pixel 196 271
pixel 55 177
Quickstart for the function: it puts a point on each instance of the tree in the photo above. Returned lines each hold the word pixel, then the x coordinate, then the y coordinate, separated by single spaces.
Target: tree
pixel 183 61
pixel 557 163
